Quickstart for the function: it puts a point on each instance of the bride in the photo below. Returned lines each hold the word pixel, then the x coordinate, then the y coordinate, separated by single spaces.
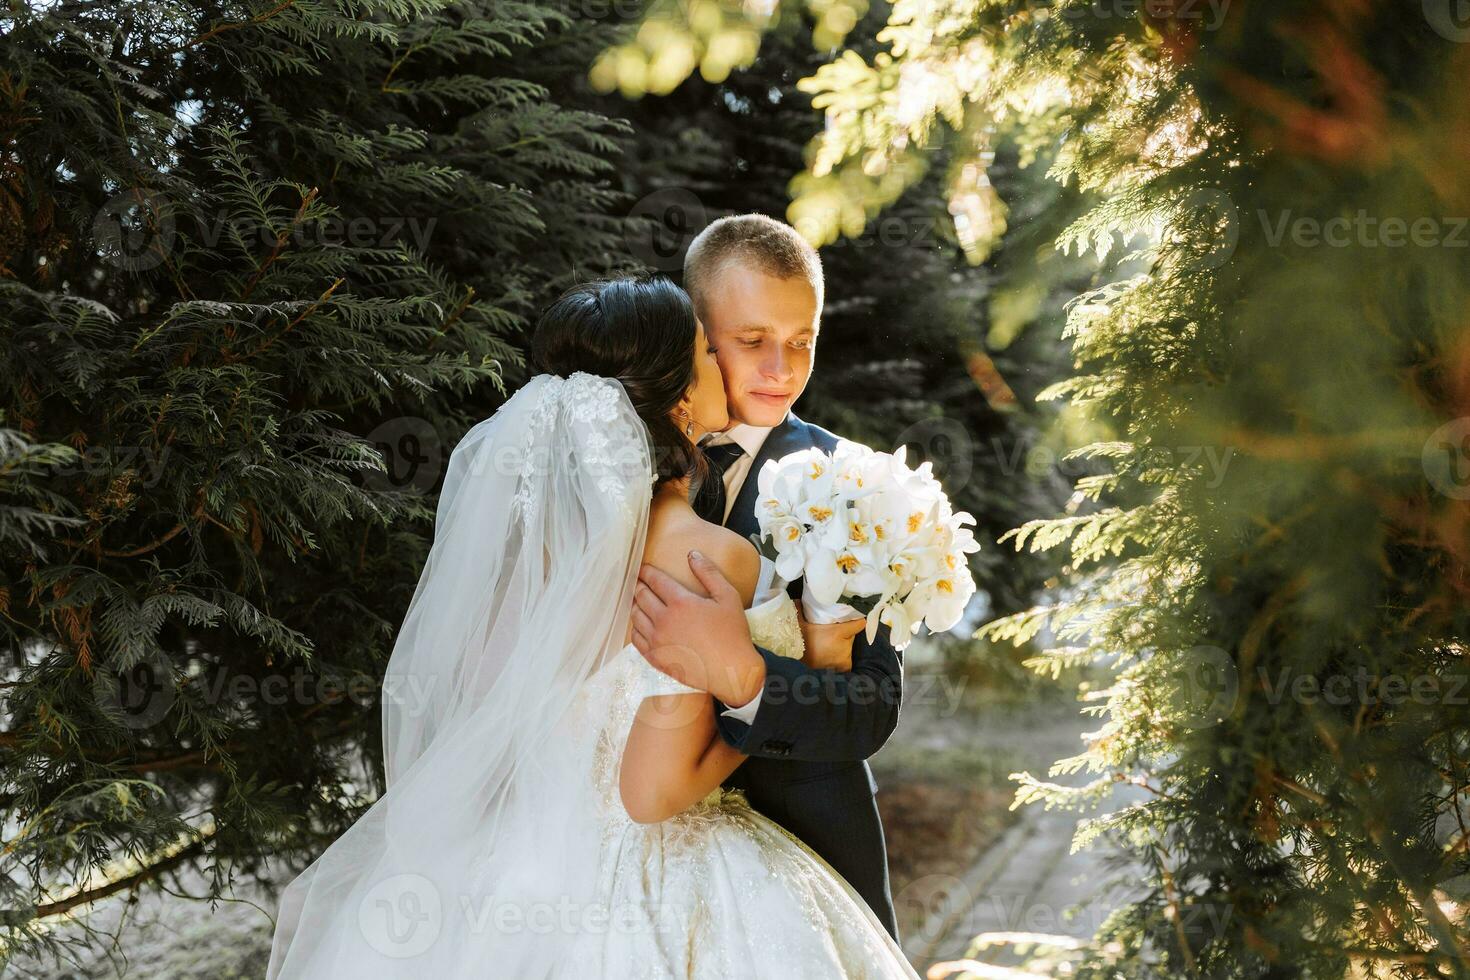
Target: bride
pixel 553 803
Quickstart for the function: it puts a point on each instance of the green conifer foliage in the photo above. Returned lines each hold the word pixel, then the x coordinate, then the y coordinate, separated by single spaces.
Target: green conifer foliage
pixel 261 264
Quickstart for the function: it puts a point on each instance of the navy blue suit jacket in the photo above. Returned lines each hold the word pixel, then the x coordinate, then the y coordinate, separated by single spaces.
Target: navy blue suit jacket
pixel 815 729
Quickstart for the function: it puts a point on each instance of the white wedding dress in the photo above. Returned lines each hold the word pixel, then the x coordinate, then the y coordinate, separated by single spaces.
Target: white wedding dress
pixel 718 891
pixel 500 847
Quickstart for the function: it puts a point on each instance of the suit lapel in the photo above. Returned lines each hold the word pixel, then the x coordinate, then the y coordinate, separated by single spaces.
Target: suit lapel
pixel 788 437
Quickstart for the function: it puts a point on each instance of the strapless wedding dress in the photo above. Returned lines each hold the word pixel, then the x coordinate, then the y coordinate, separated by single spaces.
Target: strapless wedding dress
pixel 718 891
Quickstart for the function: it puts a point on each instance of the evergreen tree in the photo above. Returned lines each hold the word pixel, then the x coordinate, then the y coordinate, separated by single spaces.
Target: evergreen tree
pixel 261 265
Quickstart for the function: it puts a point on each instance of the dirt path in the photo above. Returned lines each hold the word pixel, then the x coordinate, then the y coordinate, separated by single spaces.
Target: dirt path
pixel 1028 882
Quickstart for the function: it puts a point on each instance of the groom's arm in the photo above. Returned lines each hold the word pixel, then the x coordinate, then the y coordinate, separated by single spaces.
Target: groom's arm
pixel 822 715
pixel 804 712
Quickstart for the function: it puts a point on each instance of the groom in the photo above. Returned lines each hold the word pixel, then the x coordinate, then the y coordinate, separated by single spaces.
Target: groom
pixel 808 726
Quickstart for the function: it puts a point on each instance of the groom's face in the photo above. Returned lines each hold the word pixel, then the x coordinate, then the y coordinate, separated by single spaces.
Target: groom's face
pixel 764 329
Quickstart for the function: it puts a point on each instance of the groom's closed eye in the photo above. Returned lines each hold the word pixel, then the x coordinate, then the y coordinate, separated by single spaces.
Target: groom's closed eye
pixel 801 343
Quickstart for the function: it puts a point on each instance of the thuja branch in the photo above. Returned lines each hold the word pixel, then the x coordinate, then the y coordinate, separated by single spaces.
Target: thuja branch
pixel 142 875
pixel 234 26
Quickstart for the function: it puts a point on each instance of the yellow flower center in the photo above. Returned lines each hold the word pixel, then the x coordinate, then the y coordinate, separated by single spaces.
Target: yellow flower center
pixel 949 562
pixel 946 586
pixel 915 519
pixel 878 532
pixel 817 470
pixel 848 563
pixel 793 532
pixel 857 533
pixel 819 513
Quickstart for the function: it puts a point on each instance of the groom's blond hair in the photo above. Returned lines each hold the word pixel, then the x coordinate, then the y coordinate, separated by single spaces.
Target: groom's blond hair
pixel 773 246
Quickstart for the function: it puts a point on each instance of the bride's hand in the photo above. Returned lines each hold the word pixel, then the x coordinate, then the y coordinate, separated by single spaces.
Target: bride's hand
pixel 829 645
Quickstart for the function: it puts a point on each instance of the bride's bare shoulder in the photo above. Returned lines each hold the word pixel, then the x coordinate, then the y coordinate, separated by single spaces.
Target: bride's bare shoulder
pixel 672 535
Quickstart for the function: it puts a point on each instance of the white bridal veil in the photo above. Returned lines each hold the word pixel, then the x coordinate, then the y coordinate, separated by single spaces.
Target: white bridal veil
pixel 480 857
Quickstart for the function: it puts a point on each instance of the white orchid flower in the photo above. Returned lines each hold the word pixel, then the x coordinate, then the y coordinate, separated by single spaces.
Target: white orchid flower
pixel 856 523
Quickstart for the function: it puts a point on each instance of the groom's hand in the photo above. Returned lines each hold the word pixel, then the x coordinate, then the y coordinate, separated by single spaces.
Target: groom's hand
pixel 703 642
pixel 829 645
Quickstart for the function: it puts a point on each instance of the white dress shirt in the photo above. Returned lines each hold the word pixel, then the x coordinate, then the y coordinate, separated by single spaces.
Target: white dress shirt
pixel 750 438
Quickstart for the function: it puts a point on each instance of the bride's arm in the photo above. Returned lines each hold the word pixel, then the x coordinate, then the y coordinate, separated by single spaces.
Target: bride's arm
pixel 674 755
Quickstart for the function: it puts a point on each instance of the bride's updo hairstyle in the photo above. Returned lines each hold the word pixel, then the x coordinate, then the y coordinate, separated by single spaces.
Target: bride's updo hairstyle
pixel 640 331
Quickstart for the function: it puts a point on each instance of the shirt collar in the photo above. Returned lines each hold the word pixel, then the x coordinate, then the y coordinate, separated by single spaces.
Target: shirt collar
pixel 748 437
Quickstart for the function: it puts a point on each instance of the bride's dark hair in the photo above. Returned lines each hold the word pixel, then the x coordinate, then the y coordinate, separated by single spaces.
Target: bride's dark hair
pixel 640 331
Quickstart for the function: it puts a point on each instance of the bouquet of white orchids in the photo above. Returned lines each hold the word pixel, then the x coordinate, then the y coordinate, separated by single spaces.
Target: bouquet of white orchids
pixel 871 536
